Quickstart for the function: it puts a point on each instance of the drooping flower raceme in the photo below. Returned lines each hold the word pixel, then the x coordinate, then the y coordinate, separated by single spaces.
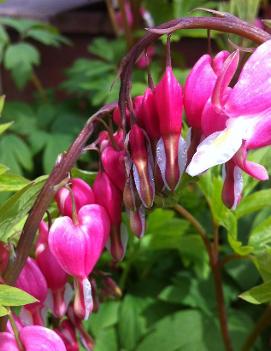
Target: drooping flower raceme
pixel 237 120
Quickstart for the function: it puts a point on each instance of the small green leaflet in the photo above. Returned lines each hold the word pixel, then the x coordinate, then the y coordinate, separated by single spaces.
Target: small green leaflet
pixel 10 296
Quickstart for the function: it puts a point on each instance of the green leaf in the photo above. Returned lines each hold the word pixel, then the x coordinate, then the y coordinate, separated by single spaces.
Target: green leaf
pixel 4 126
pixel 259 294
pixel 15 153
pixel 253 203
pixel 47 37
pixel 17 206
pixel 260 236
pixel 182 331
pixel 2 103
pixel 56 144
pixel 3 169
pixel 106 317
pixel 10 296
pixel 3 311
pixel 23 54
pixel 12 182
pixel 132 325
pixel 107 340
pixel 99 47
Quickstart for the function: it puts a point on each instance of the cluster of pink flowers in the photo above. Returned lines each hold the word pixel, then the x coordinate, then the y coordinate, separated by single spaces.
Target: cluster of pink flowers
pixel 149 157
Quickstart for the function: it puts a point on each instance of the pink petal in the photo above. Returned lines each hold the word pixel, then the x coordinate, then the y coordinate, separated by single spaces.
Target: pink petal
pixel 71 247
pixel 95 222
pixel 169 103
pixel 32 281
pixel 113 163
pixel 253 169
pixel 212 120
pixel 198 89
pixel 108 196
pixel 252 93
pixel 218 61
pixel 224 79
pixel 8 342
pixel 83 302
pixel 36 338
pixel 262 132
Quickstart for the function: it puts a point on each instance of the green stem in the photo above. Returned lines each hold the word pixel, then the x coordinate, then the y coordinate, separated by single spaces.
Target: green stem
pixel 213 253
pixel 15 331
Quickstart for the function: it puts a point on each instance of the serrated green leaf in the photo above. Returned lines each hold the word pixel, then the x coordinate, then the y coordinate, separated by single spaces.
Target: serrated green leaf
pixel 99 47
pixel 3 311
pixel 11 296
pixel 47 37
pixel 259 294
pixel 17 206
pixel 23 54
pixel 15 153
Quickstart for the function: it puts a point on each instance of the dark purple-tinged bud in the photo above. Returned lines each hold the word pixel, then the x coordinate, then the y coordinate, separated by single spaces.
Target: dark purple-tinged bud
pixel 114 166
pixel 142 168
pixel 233 184
pixel 67 333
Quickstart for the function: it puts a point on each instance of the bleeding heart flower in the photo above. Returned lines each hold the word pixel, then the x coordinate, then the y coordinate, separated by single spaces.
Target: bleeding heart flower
pixel 245 112
pixel 114 166
pixel 77 248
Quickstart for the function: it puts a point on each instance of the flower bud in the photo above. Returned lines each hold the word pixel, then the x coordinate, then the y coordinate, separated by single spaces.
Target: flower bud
pixel 141 157
pixel 34 283
pixel 58 297
pixel 109 196
pixel 83 195
pixel 113 164
pixel 171 148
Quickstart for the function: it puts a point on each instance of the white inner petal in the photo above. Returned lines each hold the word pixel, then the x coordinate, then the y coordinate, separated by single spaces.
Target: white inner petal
pixel 216 149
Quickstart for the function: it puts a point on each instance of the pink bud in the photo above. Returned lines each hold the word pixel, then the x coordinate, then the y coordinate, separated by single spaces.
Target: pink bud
pixel 148 115
pixel 141 156
pixel 233 185
pixel 83 195
pixel 137 221
pixel 144 60
pixel 108 196
pixel 117 117
pixel 113 164
pixel 55 276
pixel 171 148
pixel 32 281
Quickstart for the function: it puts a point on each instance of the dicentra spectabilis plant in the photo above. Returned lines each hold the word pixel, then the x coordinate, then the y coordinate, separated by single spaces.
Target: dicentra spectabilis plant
pixel 157 148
